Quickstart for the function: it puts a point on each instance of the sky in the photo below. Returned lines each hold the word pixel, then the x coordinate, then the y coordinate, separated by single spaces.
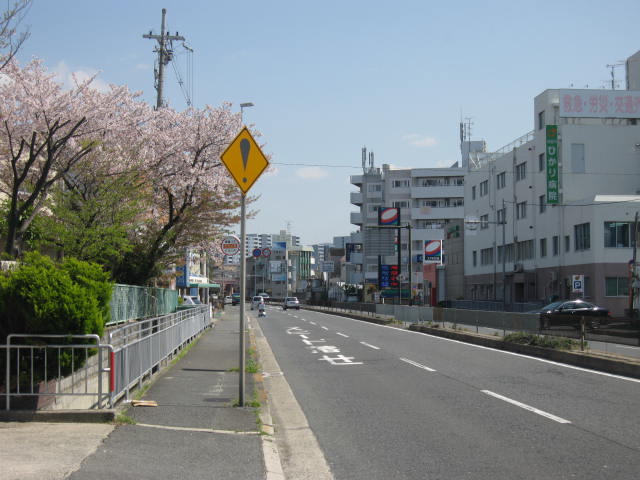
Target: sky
pixel 329 78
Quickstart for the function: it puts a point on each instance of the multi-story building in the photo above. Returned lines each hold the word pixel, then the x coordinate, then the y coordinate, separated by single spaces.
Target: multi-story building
pixel 429 200
pixel 558 204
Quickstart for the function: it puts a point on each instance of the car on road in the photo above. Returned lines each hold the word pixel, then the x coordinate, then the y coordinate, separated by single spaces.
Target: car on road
pixel 291 302
pixel 570 312
pixel 228 300
pixel 255 301
pixel 265 296
pixel 235 299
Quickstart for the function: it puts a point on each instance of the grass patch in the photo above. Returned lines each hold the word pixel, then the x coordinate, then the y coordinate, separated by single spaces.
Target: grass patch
pixel 124 419
pixel 556 343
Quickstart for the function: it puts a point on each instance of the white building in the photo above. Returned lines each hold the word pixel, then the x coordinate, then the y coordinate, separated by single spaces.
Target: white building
pixel 429 200
pixel 534 248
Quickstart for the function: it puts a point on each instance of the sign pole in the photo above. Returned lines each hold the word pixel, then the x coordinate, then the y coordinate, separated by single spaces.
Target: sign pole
pixel 243 287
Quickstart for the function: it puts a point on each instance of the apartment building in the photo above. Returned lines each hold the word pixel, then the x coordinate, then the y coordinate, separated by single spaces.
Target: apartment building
pixel 429 201
pixel 559 203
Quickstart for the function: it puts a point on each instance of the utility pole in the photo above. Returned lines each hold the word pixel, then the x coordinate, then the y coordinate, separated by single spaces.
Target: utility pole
pixel 165 55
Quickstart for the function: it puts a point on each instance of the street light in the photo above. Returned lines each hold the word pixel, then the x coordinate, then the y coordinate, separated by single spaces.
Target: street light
pixel 243 106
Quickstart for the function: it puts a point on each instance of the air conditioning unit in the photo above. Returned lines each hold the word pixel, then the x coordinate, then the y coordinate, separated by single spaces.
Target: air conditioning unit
pixel 518 267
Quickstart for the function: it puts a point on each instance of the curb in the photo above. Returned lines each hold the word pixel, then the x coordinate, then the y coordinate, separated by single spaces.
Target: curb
pixel 59 416
pixel 589 361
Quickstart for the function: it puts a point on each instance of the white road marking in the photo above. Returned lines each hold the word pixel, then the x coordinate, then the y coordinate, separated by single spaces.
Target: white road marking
pixel 324 328
pixel 370 346
pixel 191 429
pixel 313 323
pixel 527 407
pixel 472 345
pixel 416 364
pixel 342 335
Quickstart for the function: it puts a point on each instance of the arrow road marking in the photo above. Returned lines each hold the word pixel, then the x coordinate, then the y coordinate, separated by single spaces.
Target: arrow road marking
pixel 526 407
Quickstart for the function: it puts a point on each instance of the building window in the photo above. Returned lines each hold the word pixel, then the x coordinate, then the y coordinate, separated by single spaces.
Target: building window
pixel 400 183
pixel 374 208
pixel 582 237
pixel 401 204
pixel 473 192
pixel 543 247
pixel 567 243
pixel 501 180
pixel 475 258
pixel 375 187
pixel 577 158
pixel 556 245
pixel 501 216
pixel 616 287
pixel 521 210
pixel 484 221
pixel 542 203
pixel 486 256
pixel 524 250
pixel 521 171
pixel 541 162
pixel 484 188
pixel 541 121
pixel 618 234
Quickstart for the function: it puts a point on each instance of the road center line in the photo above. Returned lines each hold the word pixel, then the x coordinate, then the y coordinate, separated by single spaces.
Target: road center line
pixel 342 335
pixel 370 346
pixel 416 364
pixel 527 407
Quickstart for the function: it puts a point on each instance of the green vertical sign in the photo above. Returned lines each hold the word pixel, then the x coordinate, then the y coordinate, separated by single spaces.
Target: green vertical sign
pixel 553 194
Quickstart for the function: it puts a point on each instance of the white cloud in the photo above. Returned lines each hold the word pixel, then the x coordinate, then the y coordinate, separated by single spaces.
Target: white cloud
pixel 312 173
pixel 418 140
pixel 65 75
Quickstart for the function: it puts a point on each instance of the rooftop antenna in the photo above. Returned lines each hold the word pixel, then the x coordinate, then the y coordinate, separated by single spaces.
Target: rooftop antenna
pixel 371 160
pixel 613 67
pixel 364 159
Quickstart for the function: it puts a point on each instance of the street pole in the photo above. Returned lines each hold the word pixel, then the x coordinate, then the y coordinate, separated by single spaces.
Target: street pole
pixel 410 272
pixel 243 287
pixel 634 240
pixel 399 278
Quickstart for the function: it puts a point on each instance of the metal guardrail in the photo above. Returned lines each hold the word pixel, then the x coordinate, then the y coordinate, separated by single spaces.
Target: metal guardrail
pixel 31 359
pixel 140 347
pixel 106 372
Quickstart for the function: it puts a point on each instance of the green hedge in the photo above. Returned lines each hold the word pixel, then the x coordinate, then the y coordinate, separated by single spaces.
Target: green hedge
pixel 41 296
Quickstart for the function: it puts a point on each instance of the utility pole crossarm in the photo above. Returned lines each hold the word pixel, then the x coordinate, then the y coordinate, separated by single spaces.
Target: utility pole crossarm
pixel 164 55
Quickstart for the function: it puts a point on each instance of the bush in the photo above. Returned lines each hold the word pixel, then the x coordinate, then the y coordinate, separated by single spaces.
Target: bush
pixel 42 297
pixel 557 343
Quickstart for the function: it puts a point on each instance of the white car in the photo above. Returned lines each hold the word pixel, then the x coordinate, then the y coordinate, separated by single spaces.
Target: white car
pixel 255 301
pixel 228 300
pixel 265 296
pixel 291 302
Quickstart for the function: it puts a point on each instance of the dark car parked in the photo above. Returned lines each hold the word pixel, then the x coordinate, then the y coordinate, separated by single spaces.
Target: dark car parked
pixel 569 313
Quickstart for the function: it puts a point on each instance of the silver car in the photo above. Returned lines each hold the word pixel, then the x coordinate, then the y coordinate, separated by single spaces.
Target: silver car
pixel 291 302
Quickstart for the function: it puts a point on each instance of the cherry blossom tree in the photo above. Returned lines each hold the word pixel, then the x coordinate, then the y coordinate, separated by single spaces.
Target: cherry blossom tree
pixel 45 132
pixel 194 198
pixel 10 39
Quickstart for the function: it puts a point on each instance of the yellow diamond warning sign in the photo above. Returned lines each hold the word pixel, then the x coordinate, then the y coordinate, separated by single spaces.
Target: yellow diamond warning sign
pixel 244 160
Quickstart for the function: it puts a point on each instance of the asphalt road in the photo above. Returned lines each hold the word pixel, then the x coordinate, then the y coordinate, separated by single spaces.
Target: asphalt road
pixel 389 403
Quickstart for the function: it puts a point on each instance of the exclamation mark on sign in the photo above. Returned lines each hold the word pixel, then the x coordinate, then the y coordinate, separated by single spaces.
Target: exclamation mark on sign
pixel 245 146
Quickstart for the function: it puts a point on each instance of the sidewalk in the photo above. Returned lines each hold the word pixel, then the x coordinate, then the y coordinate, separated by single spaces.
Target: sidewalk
pixel 194 432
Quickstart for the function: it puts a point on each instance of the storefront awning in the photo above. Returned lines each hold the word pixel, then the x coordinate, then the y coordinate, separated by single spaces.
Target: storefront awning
pixel 204 285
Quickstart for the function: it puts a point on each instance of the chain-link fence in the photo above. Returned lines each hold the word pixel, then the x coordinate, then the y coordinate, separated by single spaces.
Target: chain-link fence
pixel 130 302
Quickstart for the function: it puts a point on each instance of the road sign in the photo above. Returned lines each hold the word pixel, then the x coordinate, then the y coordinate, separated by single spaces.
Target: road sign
pixel 230 245
pixel 256 252
pixel 577 283
pixel 244 160
pixel 266 252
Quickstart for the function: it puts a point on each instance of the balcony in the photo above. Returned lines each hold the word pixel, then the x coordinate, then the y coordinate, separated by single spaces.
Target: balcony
pixel 356 180
pixel 356 218
pixel 438 191
pixel 428 213
pixel 356 198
